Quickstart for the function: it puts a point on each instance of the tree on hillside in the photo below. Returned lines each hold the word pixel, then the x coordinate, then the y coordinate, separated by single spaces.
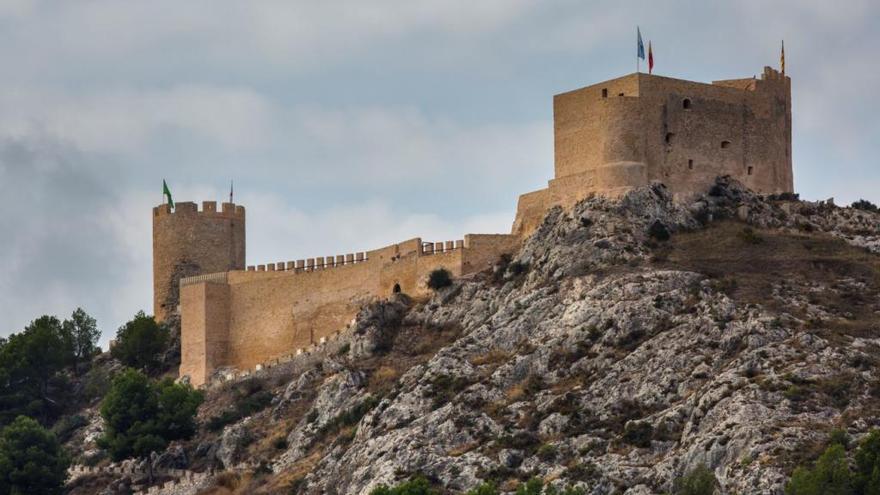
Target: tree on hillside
pixel 867 476
pixel 30 363
pixel 415 486
pixel 139 342
pixel 830 476
pixel 142 416
pixel 31 460
pixel 699 481
pixel 83 332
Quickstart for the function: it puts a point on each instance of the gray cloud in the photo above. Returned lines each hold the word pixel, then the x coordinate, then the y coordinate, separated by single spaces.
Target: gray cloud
pixel 60 250
pixel 347 125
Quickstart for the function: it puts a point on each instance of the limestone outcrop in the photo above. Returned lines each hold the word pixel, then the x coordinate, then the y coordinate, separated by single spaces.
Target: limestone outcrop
pixel 628 341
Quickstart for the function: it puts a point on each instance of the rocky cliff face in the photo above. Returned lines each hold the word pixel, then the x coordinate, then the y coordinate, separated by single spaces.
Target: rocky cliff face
pixel 628 342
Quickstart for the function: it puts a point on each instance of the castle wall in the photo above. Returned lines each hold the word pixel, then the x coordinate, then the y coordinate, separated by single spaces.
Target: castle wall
pixel 609 138
pixel 205 309
pixel 189 242
pixel 270 312
pixel 624 133
pixel 754 123
pixel 581 123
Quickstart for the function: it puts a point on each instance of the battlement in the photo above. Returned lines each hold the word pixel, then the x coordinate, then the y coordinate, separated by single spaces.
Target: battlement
pixel 627 132
pixel 209 208
pixel 327 262
pixel 609 138
pixel 192 241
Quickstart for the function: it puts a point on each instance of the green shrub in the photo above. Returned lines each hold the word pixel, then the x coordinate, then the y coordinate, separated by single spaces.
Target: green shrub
pixel 31 363
pixel 659 231
pixel 142 416
pixel 280 443
pixel 484 489
pixel 532 487
pixel 867 475
pixel 839 437
pixel 517 268
pixel 439 279
pixel 699 481
pixel 415 486
pixel 830 476
pixel 252 399
pixel 32 460
pixel 638 434
pixel 546 452
pixel 838 388
pixel 864 204
pixel 67 425
pixel 350 417
pixel 140 342
pixel 296 486
pixel 444 388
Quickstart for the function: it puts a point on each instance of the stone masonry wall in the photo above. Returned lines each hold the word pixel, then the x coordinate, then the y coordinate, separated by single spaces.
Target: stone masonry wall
pixel 245 318
pixel 624 133
pixel 189 242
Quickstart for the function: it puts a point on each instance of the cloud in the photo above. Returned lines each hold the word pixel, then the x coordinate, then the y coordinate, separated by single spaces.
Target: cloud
pixel 392 146
pixel 294 36
pixel 60 253
pixel 351 125
pixel 126 120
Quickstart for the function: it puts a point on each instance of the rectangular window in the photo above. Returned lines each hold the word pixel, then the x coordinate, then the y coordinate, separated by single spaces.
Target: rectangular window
pixel 604 92
pixel 690 164
pixel 750 171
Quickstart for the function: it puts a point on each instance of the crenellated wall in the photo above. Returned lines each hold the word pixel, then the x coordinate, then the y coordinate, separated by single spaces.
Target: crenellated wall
pixel 245 317
pixel 189 242
pixel 627 132
pixel 609 138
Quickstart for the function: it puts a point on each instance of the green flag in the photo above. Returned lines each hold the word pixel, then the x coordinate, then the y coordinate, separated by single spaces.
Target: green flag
pixel 167 192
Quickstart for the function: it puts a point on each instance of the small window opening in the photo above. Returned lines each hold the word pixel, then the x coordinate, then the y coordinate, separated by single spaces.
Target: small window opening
pixel 750 170
pixel 619 94
pixel 669 136
pixel 690 164
pixel 725 145
pixel 604 92
pixel 396 289
pixel 686 104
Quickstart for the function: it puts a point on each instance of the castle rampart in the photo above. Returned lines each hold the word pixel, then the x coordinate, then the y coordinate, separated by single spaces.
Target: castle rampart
pixel 245 317
pixel 609 138
pixel 627 132
pixel 189 242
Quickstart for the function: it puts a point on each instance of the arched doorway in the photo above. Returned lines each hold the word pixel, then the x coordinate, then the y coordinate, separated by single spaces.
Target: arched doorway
pixel 396 289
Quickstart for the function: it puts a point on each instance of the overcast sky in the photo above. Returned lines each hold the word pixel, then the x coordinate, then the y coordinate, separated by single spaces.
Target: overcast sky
pixel 350 125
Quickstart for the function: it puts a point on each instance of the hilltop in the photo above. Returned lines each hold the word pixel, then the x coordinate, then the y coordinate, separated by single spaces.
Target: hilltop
pixel 626 343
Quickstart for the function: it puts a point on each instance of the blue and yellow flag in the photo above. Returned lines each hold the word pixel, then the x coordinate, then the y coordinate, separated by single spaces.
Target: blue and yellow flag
pixel 641 46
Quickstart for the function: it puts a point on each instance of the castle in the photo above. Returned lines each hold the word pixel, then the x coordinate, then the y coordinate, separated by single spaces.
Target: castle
pixel 609 138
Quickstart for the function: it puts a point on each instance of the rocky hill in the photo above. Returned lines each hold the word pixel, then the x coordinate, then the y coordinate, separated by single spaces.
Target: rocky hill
pixel 628 342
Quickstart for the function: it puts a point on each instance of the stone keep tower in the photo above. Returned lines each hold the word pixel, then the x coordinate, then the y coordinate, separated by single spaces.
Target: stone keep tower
pixel 189 242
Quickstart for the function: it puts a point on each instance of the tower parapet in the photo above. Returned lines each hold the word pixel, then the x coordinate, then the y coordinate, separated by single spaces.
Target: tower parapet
pixel 624 133
pixel 188 242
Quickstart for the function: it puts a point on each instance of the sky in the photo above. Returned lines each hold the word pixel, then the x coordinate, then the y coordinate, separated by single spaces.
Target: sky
pixel 349 125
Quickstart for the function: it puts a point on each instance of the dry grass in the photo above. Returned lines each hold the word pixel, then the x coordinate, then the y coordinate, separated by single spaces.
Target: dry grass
pixel 747 266
pixel 463 449
pixel 281 483
pixel 515 393
pixel 493 357
pixel 384 377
